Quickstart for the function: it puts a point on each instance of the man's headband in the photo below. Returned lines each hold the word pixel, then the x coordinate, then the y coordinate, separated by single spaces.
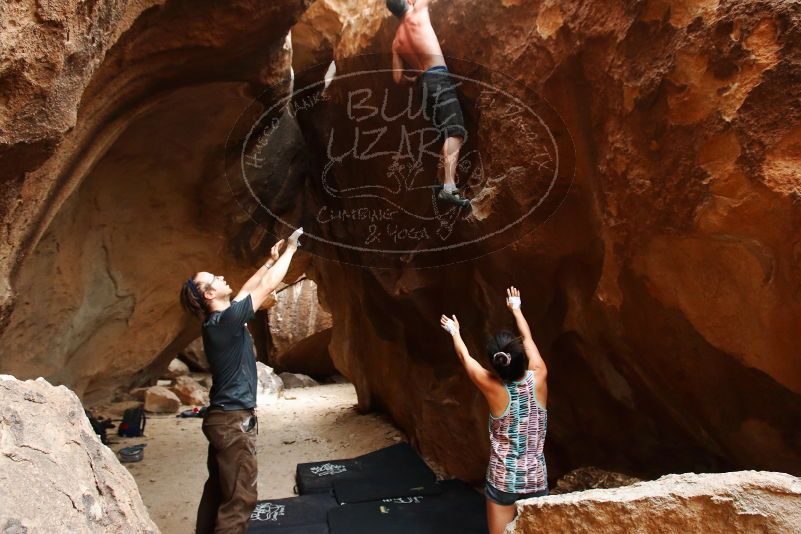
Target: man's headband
pixel 196 291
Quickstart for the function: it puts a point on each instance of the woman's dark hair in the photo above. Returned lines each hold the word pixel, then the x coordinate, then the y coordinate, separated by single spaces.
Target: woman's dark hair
pixel 506 354
pixel 191 298
pixel 398 7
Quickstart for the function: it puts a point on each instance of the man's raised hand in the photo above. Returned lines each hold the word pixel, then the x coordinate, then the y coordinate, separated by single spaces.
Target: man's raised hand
pixel 513 298
pixel 293 240
pixel 275 252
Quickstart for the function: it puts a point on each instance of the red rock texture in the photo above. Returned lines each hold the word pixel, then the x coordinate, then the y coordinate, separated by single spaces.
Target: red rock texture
pixel 739 502
pixel 661 292
pixel 112 130
pixel 309 356
pixel 295 316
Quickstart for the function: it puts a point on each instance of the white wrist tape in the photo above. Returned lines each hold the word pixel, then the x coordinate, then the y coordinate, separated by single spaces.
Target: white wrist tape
pixel 296 236
pixel 514 302
pixel 450 326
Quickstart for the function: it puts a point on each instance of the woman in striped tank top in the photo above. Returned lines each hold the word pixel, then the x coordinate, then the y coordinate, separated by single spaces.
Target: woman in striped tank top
pixel 516 393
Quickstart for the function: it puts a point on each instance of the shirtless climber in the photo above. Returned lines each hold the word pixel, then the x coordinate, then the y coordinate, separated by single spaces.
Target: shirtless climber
pixel 417 47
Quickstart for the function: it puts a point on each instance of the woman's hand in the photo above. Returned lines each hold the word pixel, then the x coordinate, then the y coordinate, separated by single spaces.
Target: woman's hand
pixel 513 299
pixel 451 325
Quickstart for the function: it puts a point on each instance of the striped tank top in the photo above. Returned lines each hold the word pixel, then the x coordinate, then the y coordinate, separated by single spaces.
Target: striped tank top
pixel 517 463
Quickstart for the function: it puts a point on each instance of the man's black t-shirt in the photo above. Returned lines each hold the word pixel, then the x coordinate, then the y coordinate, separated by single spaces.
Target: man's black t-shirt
pixel 229 349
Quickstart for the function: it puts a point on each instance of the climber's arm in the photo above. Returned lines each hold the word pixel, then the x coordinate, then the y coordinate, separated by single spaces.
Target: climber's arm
pixel 535 361
pixel 275 274
pixel 255 280
pixel 481 377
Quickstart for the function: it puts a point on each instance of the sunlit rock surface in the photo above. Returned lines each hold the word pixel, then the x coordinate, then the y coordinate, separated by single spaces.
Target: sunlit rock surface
pixel 738 502
pixel 55 475
pixel 661 292
pixel 661 286
pixel 112 136
pixel 296 315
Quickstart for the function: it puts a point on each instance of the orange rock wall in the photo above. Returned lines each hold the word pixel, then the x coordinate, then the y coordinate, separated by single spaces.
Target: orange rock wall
pixel 662 292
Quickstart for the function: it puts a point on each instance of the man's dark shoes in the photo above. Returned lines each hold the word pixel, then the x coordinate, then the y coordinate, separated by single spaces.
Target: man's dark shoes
pixel 452 197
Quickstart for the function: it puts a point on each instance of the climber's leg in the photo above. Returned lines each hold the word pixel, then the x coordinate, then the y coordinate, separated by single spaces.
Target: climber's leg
pixel 445 112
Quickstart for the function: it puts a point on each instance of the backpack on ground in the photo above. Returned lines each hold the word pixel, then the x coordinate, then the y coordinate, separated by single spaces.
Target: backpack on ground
pixel 133 423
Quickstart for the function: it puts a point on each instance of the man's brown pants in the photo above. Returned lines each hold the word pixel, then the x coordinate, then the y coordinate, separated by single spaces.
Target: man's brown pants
pixel 230 494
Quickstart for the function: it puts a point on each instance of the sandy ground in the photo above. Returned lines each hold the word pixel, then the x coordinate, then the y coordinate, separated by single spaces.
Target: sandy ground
pixel 307 425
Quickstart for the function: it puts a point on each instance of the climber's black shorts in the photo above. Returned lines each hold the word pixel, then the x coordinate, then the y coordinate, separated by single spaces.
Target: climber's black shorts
pixel 507 499
pixel 442 103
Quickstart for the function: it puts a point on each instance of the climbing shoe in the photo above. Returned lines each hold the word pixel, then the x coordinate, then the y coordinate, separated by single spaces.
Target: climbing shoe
pixel 452 197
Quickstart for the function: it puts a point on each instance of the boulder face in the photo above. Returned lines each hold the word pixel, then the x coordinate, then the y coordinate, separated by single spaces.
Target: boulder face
pixel 308 356
pixel 738 502
pixel 270 385
pixel 189 391
pixel 112 132
pixel 175 369
pixel 300 331
pixel 295 380
pixel 659 277
pixel 296 315
pixel 55 474
pixel 159 399
pixel 194 356
pixel 660 290
pixel 111 313
pixel 585 478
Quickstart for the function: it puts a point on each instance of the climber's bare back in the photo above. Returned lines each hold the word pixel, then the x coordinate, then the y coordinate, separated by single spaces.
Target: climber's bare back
pixel 416 43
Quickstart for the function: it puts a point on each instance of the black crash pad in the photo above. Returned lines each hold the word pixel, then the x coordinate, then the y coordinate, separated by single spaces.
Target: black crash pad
pixel 366 490
pixel 305 514
pixel 458 509
pixel 397 463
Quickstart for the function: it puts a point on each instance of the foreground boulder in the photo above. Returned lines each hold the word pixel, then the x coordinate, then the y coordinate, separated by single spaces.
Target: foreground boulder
pixel 55 475
pixel 585 478
pixel 739 502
